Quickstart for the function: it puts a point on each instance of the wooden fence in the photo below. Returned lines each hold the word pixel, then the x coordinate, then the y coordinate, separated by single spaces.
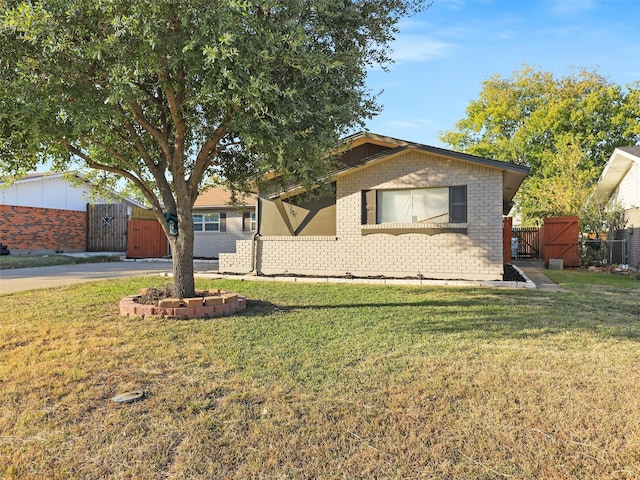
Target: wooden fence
pixel 146 238
pixel 107 227
pixel 530 243
pixel 561 240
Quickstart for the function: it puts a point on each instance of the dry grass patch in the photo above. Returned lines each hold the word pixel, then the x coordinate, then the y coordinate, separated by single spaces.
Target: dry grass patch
pixel 32 261
pixel 325 381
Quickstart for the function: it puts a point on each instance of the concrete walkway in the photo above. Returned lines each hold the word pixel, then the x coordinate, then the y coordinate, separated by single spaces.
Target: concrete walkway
pixel 534 269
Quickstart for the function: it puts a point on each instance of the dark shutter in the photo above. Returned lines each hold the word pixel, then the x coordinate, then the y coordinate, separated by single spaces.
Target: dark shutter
pixel 223 222
pixel 369 207
pixel 246 221
pixel 458 204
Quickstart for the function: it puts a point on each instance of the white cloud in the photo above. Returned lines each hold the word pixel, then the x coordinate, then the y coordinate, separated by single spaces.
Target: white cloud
pixel 413 48
pixel 563 8
pixel 454 4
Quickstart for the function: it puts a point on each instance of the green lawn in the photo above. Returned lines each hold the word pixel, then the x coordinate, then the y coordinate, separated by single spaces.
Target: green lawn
pixel 326 381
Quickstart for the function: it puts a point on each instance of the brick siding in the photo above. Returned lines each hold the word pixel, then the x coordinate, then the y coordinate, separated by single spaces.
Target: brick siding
pixel 212 244
pixel 31 229
pixel 476 255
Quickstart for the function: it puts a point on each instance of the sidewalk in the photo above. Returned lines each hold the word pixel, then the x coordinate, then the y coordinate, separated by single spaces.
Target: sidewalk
pixel 534 270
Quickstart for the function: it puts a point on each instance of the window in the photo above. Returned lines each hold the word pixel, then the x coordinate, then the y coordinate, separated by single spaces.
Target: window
pixel 209 222
pixel 249 222
pixel 415 205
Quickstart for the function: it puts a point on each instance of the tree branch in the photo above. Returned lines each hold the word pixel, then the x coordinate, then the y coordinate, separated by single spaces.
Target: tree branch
pixel 205 156
pixel 175 100
pixel 158 136
pixel 144 188
pixel 137 141
pixel 157 170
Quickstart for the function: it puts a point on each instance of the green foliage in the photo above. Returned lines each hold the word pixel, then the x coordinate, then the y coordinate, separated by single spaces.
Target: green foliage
pixel 167 93
pixel 564 129
pixel 600 216
pixel 596 217
pixel 562 185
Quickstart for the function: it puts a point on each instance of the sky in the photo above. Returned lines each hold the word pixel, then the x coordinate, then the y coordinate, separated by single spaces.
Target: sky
pixel 442 55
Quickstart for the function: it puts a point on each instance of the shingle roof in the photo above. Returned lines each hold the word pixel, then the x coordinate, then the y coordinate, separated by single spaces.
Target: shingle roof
pixel 633 150
pixel 218 197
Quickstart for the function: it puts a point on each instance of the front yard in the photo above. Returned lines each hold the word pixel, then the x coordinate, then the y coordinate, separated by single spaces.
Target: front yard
pixel 30 261
pixel 326 381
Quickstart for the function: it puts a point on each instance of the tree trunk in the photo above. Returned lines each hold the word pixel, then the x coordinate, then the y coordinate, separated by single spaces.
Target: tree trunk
pixel 182 253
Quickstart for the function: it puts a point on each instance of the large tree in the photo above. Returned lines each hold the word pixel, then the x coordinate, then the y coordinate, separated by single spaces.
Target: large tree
pixel 167 93
pixel 564 128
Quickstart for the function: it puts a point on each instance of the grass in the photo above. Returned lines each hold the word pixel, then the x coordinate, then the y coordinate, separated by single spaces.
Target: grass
pixel 326 381
pixel 26 261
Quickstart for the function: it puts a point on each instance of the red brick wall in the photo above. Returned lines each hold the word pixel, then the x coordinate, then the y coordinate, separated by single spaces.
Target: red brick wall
pixel 34 229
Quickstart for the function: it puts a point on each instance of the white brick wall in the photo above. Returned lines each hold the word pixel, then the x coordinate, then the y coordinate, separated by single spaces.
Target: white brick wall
pixel 212 244
pixel 474 256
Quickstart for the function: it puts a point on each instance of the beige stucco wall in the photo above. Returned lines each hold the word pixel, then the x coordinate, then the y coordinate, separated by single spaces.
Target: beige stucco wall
pixel 476 255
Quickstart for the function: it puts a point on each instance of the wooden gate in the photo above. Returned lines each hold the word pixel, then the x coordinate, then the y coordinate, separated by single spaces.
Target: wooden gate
pixel 107 227
pixel 561 240
pixel 146 237
pixel 529 242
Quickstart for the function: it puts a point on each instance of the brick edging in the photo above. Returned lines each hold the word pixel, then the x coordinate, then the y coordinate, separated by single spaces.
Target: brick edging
pixel 215 305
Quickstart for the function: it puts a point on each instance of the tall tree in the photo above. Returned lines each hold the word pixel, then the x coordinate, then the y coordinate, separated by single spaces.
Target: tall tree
pixel 166 93
pixel 564 128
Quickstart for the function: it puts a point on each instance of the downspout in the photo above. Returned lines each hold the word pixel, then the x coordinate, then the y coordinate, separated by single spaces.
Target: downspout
pixel 254 239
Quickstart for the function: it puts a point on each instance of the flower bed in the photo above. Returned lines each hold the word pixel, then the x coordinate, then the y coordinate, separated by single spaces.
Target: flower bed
pixel 206 304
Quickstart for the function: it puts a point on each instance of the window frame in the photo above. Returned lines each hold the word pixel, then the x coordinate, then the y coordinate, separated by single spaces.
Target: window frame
pixel 211 222
pixel 457 213
pixel 249 221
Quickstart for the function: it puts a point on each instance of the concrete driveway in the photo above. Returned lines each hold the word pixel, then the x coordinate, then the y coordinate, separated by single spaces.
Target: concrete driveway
pixel 20 279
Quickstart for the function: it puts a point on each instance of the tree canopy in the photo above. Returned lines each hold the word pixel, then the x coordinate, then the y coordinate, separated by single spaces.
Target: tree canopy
pixel 563 128
pixel 167 93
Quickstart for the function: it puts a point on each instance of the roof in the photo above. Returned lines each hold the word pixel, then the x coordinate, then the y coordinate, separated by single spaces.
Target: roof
pixel 42 176
pixel 220 197
pixel 513 175
pixel 35 177
pixel 615 170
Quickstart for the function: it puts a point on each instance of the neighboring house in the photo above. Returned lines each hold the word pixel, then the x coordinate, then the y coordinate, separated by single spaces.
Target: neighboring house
pixel 620 180
pixel 218 224
pixel 47 212
pixel 396 209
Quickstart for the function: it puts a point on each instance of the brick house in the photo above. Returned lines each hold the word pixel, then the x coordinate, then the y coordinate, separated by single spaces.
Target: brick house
pixel 620 180
pixel 396 209
pixel 218 224
pixel 47 212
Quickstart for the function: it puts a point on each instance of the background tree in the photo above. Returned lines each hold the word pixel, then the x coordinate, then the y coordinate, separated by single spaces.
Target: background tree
pixel 564 128
pixel 166 93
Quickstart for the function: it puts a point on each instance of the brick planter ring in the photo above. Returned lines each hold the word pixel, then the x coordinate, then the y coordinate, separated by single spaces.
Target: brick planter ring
pixel 208 305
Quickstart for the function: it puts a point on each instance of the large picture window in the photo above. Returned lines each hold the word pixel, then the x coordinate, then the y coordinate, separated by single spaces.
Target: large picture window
pixel 416 205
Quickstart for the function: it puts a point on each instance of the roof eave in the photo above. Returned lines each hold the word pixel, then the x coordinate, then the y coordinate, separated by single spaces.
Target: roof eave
pixel 513 175
pixel 614 171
